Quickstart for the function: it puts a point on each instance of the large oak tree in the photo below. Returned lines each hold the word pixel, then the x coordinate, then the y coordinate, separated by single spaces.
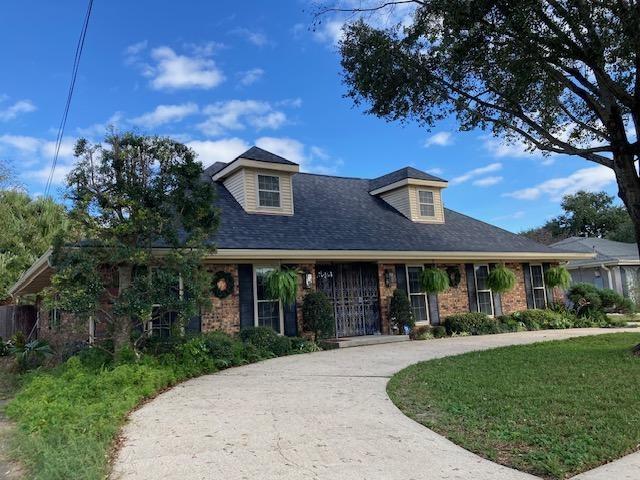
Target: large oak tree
pixel 560 75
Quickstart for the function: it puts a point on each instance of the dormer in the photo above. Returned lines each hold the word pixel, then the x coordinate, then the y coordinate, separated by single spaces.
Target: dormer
pixel 415 194
pixel 260 181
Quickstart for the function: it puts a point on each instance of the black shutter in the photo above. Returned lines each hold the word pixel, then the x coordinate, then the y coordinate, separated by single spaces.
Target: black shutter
pixel 545 267
pixel 290 316
pixel 245 284
pixel 471 287
pixel 623 279
pixel 432 305
pixel 194 325
pixel 401 278
pixel 497 300
pixel 528 285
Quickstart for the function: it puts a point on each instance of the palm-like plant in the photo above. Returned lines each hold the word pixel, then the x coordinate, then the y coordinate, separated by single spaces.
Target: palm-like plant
pixel 30 353
pixel 282 284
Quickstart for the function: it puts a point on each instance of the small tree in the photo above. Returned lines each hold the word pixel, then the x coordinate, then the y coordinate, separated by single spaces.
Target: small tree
pixel 129 196
pixel 317 315
pixel 400 311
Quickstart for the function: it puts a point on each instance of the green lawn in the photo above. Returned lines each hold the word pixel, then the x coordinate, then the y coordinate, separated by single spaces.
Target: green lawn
pixel 552 409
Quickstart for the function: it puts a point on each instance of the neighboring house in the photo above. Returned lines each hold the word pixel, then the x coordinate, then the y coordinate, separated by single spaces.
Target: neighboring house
pixel 355 239
pixel 614 266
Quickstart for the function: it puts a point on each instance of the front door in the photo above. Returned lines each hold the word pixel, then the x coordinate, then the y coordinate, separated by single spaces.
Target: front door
pixel 353 291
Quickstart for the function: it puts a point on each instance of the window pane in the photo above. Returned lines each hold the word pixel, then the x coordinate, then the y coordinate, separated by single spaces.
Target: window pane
pixel 425 196
pixel 537 278
pixel 261 278
pixel 427 210
pixel 269 199
pixel 268 182
pixel 269 314
pixel 484 303
pixel 482 273
pixel 419 307
pixel 538 298
pixel 414 279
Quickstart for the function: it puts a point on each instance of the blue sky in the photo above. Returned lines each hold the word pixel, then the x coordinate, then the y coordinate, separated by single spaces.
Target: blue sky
pixel 224 75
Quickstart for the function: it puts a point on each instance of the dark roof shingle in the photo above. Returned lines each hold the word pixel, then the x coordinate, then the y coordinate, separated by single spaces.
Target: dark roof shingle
pixel 260 155
pixel 401 174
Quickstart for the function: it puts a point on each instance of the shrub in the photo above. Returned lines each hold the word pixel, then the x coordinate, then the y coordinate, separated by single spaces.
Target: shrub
pixel 586 300
pixel 507 324
pixel 157 345
pixel 421 332
pixel 266 340
pixel 438 331
pixel 613 302
pixel 29 355
pixel 473 323
pixel 302 345
pixel 400 311
pixel 615 322
pixel 94 358
pixel 501 279
pixel 225 350
pixel 557 277
pixel 4 348
pixel 536 319
pixel 317 315
pixel 434 280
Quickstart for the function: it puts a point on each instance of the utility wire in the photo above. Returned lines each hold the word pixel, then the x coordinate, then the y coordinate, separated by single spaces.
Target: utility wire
pixel 65 114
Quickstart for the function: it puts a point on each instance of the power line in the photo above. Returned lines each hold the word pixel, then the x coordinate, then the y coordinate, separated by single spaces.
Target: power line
pixel 65 114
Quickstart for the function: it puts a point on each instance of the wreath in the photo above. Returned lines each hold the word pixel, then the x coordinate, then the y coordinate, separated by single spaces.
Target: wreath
pixel 454 276
pixel 222 284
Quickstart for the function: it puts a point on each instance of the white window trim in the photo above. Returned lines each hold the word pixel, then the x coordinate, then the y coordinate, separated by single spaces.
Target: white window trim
pixel 475 279
pixel 258 190
pixel 544 286
pixel 255 298
pixel 433 203
pixel 426 297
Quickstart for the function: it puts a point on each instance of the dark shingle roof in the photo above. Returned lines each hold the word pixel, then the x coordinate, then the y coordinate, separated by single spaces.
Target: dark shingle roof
pixel 607 251
pixel 335 213
pixel 257 153
pixel 401 174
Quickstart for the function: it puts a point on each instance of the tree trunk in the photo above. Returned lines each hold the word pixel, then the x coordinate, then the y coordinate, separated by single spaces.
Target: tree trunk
pixel 122 325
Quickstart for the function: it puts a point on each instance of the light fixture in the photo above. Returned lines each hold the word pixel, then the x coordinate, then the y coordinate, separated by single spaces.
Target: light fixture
pixel 389 278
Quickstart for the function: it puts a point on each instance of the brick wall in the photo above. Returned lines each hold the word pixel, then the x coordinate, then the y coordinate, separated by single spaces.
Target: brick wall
pixel 456 299
pixel 68 330
pixel 515 299
pixel 224 313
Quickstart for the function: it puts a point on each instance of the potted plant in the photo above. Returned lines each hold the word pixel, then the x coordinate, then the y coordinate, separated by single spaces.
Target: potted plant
pixel 557 277
pixel 282 284
pixel 434 280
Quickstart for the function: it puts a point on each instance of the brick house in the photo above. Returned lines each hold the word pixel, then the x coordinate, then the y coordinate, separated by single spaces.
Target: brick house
pixel 355 239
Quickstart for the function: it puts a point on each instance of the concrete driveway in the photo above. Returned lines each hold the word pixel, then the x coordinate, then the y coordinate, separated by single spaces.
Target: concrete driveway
pixel 318 416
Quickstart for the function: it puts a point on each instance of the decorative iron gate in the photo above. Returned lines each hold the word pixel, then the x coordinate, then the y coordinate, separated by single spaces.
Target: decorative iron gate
pixel 353 290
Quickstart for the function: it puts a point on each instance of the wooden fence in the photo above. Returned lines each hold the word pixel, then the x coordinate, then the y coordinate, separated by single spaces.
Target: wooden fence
pixel 15 318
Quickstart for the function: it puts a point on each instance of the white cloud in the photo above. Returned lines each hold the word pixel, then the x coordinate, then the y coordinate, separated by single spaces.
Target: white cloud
pixel 169 70
pixel 311 159
pixel 12 111
pixel 441 139
pixel 164 114
pixel 237 114
pixel 259 39
pixel 590 179
pixel 487 181
pixel 500 148
pixel 250 77
pixel 35 156
pixel 435 171
pixel 476 172
pixel 100 129
pixel 511 216
pixel 225 150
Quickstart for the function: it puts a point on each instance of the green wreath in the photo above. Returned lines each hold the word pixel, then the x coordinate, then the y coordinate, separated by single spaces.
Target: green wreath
pixel 454 276
pixel 222 284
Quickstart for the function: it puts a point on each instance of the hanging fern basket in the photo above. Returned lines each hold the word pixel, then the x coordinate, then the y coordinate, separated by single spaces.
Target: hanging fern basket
pixel 434 280
pixel 282 284
pixel 501 279
pixel 557 277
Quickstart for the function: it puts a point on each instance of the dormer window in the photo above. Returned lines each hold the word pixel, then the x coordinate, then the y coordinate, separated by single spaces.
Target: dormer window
pixel 269 191
pixel 427 205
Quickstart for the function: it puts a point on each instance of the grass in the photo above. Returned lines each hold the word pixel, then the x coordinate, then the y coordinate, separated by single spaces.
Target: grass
pixel 553 409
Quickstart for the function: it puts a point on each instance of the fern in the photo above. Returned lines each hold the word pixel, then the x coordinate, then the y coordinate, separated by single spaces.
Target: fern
pixel 501 279
pixel 434 280
pixel 283 285
pixel 557 277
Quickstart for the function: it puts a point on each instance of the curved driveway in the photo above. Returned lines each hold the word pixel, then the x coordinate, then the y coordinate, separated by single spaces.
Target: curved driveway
pixel 317 416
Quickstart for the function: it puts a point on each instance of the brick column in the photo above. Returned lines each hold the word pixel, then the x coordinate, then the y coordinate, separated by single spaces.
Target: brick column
pixel 385 293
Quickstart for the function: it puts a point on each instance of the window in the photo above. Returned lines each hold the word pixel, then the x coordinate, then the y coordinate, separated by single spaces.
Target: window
pixel 54 319
pixel 484 296
pixel 268 311
pixel 418 298
pixel 162 323
pixel 269 191
pixel 425 200
pixel 537 286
